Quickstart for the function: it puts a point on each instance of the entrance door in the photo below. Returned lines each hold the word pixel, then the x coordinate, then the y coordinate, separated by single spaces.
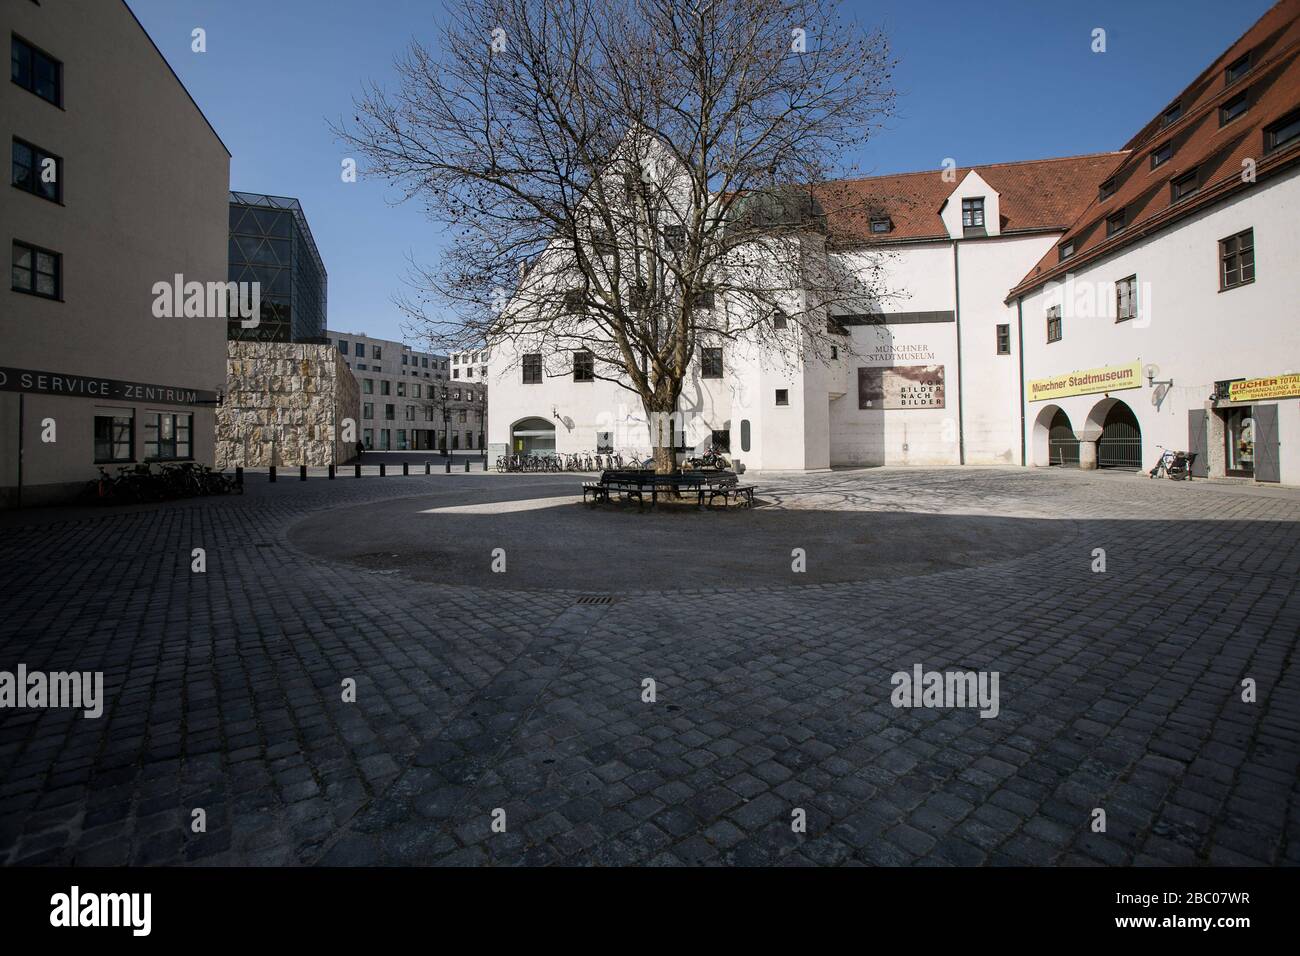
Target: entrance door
pixel 1239 439
pixel 1120 445
pixel 1062 446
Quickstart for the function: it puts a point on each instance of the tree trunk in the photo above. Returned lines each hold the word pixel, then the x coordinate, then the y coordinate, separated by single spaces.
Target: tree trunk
pixel 660 411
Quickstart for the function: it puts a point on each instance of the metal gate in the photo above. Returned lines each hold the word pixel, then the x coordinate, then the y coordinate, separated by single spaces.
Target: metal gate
pixel 1062 446
pixel 1120 445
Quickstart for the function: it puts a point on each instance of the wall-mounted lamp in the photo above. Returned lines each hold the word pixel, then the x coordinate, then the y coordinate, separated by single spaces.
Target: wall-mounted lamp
pixel 1152 370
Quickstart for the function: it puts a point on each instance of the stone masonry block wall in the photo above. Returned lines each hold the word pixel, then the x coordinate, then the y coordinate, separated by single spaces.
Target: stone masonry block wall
pixel 286 404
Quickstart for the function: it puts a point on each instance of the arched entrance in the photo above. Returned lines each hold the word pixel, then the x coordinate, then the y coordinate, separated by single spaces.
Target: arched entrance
pixel 1054 442
pixel 1120 445
pixel 532 436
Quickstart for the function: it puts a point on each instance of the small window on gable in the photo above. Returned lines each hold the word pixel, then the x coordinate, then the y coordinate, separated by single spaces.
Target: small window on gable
pixel 1066 249
pixel 1115 223
pixel 1162 154
pixel 1171 115
pixel 972 212
pixel 881 224
pixel 1105 190
pixel 1236 70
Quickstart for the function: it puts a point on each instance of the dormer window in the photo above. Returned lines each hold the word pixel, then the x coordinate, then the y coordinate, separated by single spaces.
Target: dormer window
pixel 1066 249
pixel 881 224
pixel 1236 70
pixel 1115 223
pixel 1233 108
pixel 1106 190
pixel 1283 132
pixel 972 212
pixel 1184 186
pixel 1171 115
pixel 1162 154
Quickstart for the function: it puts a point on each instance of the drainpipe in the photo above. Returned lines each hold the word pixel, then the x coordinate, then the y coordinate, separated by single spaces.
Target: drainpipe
pixel 1020 354
pixel 961 418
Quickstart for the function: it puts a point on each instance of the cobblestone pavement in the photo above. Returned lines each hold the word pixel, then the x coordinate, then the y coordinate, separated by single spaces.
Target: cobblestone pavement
pixel 1119 690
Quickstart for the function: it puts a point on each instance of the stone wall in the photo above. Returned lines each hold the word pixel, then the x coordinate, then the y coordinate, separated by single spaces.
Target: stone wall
pixel 287 404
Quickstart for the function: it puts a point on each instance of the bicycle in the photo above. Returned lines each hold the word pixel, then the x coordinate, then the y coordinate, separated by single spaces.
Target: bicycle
pixel 1175 465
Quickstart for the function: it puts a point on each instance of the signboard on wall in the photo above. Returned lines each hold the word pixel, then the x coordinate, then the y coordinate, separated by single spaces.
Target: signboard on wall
pixel 1255 389
pixel 900 386
pixel 100 389
pixel 1108 378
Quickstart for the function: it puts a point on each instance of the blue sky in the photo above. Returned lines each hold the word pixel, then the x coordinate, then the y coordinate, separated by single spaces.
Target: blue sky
pixel 986 82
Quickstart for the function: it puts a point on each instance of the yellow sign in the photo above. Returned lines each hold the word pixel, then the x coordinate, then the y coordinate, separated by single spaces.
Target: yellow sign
pixel 1110 378
pixel 1253 389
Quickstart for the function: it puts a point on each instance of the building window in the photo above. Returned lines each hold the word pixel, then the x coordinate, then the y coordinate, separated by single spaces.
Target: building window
pixel 401 390
pixel 424 362
pixel 37 271
pixel 455 373
pixel 367 385
pixel 703 300
pixel 360 350
pixel 456 395
pixel 1004 339
pixel 1282 133
pixel 1237 253
pixel 882 225
pixel 532 369
pixel 390 412
pixel 385 387
pixel 1054 324
pixel 363 367
pixel 1065 249
pixel 410 413
pixel 1184 186
pixel 376 352
pixel 783 396
pixel 114 435
pixel 1162 154
pixel 401 439
pixel 343 347
pixel 835 352
pixel 167 435
pixel 469 373
pixel 972 212
pixel 744 434
pixel 36 171
pixel 1105 190
pixel 584 368
pixel 1126 299
pixel 383 439
pixel 779 320
pixel 1233 108
pixel 1115 223
pixel 711 362
pixel 36 71
pixel 406 359
pixel 1236 70
pixel 368 437
pixel 368 410
pixel 720 440
pixel 674 238
pixel 1170 116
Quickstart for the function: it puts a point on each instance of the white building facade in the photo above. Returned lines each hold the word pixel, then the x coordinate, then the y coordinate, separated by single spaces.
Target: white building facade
pixel 1082 311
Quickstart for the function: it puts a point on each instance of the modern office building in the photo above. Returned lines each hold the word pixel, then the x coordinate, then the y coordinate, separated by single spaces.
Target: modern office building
pixel 1082 310
pixel 119 190
pixel 413 400
pixel 272 245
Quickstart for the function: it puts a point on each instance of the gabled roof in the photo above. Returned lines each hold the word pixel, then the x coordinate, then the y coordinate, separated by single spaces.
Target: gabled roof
pixel 1036 196
pixel 1202 148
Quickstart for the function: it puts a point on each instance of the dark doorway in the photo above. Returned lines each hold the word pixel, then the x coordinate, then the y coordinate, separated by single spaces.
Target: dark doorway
pixel 1239 441
pixel 1062 446
pixel 1121 439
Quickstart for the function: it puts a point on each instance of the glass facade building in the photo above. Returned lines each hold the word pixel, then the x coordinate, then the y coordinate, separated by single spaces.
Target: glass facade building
pixel 271 244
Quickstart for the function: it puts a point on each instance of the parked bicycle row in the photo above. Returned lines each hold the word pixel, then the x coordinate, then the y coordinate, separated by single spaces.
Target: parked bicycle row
pixel 578 461
pixel 147 482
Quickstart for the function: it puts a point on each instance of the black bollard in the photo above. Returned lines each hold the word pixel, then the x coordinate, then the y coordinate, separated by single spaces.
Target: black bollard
pixel 467 466
pixel 302 472
pixel 406 469
pixel 449 466
pixel 357 473
pixel 331 472
pixel 381 469
pixel 271 473
pixel 239 475
pixel 426 467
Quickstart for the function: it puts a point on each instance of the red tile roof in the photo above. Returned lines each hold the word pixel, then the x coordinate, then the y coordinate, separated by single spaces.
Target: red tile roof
pixel 1035 195
pixel 1213 153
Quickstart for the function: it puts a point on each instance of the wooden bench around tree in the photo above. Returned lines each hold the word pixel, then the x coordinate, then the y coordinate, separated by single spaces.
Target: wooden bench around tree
pixel 636 483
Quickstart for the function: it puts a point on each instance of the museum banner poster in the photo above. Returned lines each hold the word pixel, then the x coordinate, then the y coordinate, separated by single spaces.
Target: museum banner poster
pixel 1108 378
pixel 900 386
pixel 1255 389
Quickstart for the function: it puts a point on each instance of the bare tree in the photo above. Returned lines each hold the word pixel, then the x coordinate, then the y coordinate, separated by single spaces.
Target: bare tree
pixel 632 179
